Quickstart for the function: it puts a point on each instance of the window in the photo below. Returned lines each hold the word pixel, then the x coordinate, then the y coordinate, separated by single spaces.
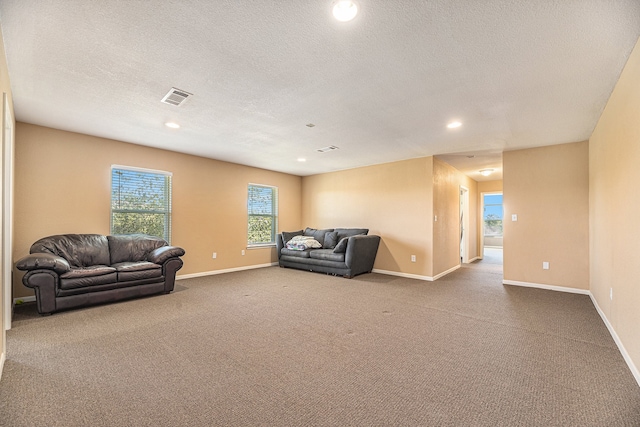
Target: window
pixel 140 202
pixel 492 218
pixel 262 207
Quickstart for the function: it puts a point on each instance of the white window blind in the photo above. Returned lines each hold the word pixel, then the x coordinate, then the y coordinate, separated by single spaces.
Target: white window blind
pixel 141 202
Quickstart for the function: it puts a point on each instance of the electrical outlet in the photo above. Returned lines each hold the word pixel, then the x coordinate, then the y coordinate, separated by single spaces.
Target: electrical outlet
pixel 215 255
pixel 435 218
pixel 413 258
pixel 243 252
pixel 545 265
pixel 514 217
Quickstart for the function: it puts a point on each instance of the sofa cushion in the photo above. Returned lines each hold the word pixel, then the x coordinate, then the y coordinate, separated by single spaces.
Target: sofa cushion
pixel 296 253
pixel 327 254
pixel 88 276
pixel 341 247
pixel 330 240
pixel 343 237
pixel 137 270
pixel 80 250
pixel 132 247
pixel 317 234
pixel 288 235
pixel 348 232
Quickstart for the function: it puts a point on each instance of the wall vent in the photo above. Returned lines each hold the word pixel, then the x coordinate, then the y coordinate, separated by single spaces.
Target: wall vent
pixel 176 97
pixel 325 149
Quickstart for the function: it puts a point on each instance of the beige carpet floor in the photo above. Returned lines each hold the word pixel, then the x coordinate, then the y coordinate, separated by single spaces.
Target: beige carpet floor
pixel 280 347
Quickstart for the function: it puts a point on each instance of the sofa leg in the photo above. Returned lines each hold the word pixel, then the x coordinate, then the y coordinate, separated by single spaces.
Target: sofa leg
pixel 346 276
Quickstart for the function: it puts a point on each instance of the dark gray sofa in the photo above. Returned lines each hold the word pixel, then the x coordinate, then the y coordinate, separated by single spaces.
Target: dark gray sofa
pixel 345 251
pixel 75 270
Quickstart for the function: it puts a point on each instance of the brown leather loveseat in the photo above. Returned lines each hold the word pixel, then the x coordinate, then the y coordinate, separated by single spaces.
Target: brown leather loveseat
pixel 75 270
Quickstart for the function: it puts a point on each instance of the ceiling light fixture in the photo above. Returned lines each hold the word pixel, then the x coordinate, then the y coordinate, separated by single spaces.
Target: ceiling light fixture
pixel 302 159
pixel 454 125
pixel 345 10
pixel 172 125
pixel 486 172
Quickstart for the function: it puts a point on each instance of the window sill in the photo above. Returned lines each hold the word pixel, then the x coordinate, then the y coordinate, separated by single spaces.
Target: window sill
pixel 262 246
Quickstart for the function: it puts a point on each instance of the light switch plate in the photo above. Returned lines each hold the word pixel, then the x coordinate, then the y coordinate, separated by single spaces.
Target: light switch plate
pixel 514 217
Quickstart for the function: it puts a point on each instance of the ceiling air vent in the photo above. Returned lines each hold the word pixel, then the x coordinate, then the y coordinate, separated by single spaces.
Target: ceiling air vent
pixel 325 149
pixel 176 97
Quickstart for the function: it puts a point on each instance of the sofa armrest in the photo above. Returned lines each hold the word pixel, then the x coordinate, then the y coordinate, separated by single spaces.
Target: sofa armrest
pixel 279 244
pixel 161 254
pixel 43 261
pixel 361 253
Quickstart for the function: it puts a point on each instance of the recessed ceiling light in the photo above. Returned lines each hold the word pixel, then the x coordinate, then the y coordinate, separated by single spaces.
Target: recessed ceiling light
pixel 454 125
pixel 486 172
pixel 345 10
pixel 301 159
pixel 172 125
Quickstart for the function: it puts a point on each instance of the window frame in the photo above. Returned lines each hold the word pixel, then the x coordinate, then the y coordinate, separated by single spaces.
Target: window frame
pixel 274 215
pixel 168 190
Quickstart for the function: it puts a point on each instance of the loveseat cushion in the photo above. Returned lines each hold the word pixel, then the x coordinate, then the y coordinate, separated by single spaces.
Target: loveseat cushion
pixel 296 253
pixel 132 247
pixel 343 237
pixel 317 234
pixel 80 250
pixel 88 276
pixel 288 235
pixel 327 255
pixel 330 240
pixel 128 271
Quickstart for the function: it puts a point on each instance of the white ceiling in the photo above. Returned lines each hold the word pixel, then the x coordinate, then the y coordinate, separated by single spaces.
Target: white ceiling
pixel 517 73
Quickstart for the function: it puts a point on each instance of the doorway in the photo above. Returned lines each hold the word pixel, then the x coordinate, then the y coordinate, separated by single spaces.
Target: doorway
pixel 491 237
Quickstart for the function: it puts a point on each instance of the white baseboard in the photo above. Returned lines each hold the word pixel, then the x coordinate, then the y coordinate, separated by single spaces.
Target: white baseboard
pixel 474 259
pixel 415 276
pixel 226 270
pixel 616 338
pixel 547 287
pixel 444 273
pixel 405 275
pixel 20 300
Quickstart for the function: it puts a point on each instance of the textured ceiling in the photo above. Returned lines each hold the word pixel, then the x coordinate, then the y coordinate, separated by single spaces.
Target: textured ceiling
pixel 382 87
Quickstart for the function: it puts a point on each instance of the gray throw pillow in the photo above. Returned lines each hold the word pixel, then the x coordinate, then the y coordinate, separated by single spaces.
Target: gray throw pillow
pixel 341 247
pixel 288 235
pixel 317 234
pixel 330 240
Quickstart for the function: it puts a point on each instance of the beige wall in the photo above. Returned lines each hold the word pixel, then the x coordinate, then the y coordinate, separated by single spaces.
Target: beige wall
pixel 446 206
pixel 548 188
pixel 62 185
pixel 494 186
pixel 397 201
pixel 393 200
pixel 5 87
pixel 614 156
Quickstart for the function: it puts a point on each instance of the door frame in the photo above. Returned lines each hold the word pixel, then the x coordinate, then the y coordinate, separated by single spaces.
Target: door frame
pixel 7 211
pixel 464 232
